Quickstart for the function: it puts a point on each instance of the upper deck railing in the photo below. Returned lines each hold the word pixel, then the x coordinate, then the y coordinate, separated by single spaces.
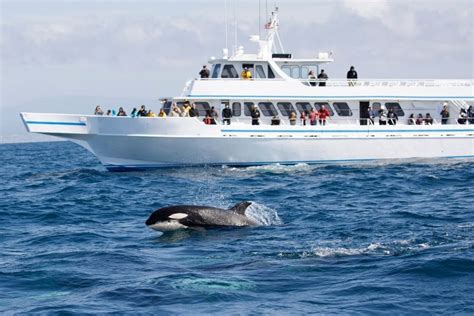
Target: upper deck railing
pixel 363 82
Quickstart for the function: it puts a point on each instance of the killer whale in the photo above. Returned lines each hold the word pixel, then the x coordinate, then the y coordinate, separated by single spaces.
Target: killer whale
pixel 198 217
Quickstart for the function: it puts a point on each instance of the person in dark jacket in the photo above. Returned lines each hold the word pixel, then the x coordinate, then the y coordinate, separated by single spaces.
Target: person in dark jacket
pixel 322 78
pixel 193 111
pixel 226 114
pixel 204 73
pixel 392 117
pixel 255 113
pixel 352 76
pixel 444 114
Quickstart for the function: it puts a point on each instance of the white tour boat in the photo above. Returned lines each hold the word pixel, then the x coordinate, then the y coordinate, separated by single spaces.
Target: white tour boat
pixel 279 86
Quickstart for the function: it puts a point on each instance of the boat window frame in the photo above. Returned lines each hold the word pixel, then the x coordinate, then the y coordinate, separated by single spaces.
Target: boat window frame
pixel 271 74
pixel 291 109
pixel 300 110
pixel 229 67
pixel 216 70
pixel 270 111
pixel 234 107
pixel 398 108
pixel 203 111
pixel 317 107
pixel 342 112
pixel 167 107
pixel 260 72
pixel 248 107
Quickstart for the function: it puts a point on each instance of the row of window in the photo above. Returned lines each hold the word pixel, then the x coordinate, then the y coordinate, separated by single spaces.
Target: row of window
pixel 285 108
pixel 229 71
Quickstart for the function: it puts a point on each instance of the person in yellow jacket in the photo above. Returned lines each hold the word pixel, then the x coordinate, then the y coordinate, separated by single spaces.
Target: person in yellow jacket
pixel 162 113
pixel 246 74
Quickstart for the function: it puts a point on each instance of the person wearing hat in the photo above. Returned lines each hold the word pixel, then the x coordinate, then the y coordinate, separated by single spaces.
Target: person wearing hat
pixel 226 114
pixel 352 76
pixel 204 73
pixel 246 74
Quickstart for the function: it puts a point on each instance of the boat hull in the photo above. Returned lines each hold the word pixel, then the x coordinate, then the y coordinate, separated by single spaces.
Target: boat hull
pixel 130 143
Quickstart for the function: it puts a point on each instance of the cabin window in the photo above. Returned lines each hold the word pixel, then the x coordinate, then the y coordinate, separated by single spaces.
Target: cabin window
pixel 395 107
pixel 292 71
pixel 303 107
pixel 260 73
pixel 248 108
pixel 215 70
pixel 318 105
pixel 229 72
pixel 202 108
pixel 271 75
pixel 236 109
pixel 267 108
pixel 376 106
pixel 285 108
pixel 167 107
pixel 342 109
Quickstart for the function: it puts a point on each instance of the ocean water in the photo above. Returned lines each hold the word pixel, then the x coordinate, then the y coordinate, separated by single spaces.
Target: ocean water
pixel 392 237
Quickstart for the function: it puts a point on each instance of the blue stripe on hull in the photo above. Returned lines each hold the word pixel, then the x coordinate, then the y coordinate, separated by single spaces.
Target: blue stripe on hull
pixel 56 123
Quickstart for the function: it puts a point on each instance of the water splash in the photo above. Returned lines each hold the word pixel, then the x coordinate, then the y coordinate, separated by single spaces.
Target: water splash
pixel 263 215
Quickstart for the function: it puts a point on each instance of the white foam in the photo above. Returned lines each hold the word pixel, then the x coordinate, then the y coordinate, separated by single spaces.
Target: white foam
pixel 263 215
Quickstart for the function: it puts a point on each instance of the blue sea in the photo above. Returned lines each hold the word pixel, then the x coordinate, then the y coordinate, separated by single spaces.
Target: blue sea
pixel 382 237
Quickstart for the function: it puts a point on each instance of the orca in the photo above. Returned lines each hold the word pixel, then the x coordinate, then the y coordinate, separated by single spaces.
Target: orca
pixel 199 217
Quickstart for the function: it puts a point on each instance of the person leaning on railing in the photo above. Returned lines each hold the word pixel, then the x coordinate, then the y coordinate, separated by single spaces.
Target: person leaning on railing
pixel 352 76
pixel 323 77
pixel 470 114
pixel 246 74
pixel 444 114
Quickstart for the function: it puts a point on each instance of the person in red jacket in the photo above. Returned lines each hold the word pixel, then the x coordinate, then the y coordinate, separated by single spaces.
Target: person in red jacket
pixel 323 114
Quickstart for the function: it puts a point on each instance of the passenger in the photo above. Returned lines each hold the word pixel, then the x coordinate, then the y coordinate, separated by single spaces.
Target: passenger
pixel 352 76
pixel 162 113
pixel 411 119
pixel 323 77
pixel 323 115
pixel 134 112
pixel 428 119
pixel 246 74
pixel 371 116
pixel 142 111
pixel 255 113
pixel 98 111
pixel 444 114
pixel 214 112
pixel 419 119
pixel 470 114
pixel 275 120
pixel 226 114
pixel 204 73
pixel 208 119
pixel 121 112
pixel 462 116
pixel 311 78
pixel 114 113
pixel 175 111
pixel 109 113
pixel 186 109
pixel 392 117
pixel 193 111
pixel 382 116
pixel 150 113
pixel 313 117
pixel 292 118
pixel 303 118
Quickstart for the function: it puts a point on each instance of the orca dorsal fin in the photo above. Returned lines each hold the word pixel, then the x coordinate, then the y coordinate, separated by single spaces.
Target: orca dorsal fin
pixel 241 207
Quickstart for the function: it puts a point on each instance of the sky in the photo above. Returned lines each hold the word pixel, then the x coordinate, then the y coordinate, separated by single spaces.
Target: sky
pixel 67 56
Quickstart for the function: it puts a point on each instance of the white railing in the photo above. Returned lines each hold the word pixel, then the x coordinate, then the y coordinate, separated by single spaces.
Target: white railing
pixel 365 82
